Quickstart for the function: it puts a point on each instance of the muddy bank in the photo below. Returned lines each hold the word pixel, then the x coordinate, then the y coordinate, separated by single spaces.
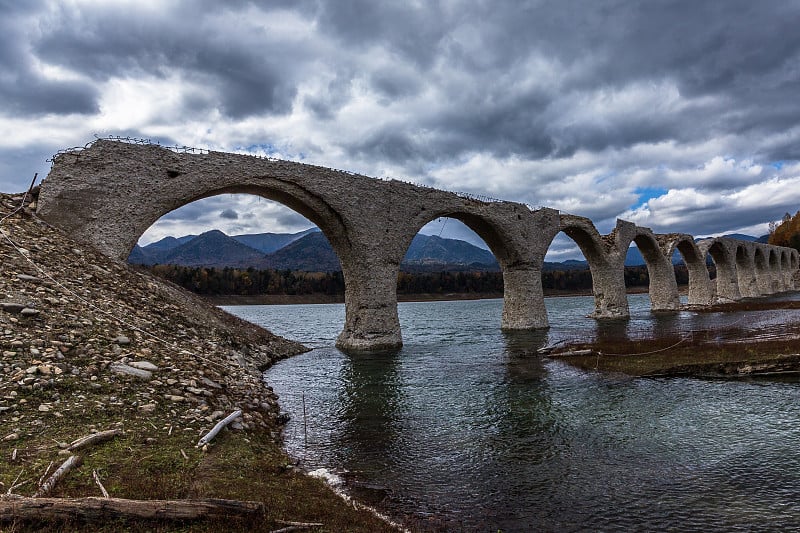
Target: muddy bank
pixel 730 352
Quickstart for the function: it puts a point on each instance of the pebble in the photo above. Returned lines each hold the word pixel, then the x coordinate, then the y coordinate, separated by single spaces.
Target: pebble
pixel 122 340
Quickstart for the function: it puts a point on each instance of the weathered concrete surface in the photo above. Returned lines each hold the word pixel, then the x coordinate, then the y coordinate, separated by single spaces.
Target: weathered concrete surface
pixel 109 193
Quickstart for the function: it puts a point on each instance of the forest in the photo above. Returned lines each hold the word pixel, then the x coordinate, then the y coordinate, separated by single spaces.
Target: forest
pixel 250 282
pixel 787 232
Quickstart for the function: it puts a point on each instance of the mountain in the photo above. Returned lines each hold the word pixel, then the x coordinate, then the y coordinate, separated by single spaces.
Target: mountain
pixel 742 237
pixel 306 250
pixel 569 264
pixel 139 256
pixel 271 242
pixel 154 253
pixel 311 253
pixel 432 249
pixel 211 249
pixel 167 243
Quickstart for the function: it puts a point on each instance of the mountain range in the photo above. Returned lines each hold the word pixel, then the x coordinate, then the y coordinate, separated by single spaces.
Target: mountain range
pixel 310 251
pixel 307 250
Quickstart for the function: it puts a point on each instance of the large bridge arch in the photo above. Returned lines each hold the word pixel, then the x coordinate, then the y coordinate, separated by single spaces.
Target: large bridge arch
pixel 518 238
pixel 663 285
pixel 608 280
pixel 130 186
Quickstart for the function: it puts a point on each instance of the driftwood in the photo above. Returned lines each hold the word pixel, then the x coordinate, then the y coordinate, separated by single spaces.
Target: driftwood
pixel 572 353
pixel 295 526
pixel 216 429
pixel 100 484
pixel 20 508
pixel 66 466
pixel 94 438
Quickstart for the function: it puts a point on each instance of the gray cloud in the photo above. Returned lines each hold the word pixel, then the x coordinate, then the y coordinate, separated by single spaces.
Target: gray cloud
pixel 548 102
pixel 230 214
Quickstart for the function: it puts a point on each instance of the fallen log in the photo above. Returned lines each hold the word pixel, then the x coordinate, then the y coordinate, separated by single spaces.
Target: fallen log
pixel 91 508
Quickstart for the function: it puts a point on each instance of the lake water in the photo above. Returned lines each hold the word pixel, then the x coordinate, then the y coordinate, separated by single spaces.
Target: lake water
pixel 467 428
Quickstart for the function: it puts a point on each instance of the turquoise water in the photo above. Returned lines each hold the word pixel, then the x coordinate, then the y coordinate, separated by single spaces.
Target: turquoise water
pixel 467 428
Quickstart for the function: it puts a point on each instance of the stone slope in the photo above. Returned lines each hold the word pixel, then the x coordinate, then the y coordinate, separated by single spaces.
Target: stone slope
pixel 119 338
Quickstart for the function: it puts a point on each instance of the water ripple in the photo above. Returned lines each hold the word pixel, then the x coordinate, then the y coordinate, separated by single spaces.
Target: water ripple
pixel 467 429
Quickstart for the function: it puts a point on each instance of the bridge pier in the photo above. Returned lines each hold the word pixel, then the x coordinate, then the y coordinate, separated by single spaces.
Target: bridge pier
pixel 523 299
pixel 610 296
pixel 371 320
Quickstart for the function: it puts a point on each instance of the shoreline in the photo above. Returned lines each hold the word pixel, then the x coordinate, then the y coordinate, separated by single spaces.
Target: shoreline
pixel 306 299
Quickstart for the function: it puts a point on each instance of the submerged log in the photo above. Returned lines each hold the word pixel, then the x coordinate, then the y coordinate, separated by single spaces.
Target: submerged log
pixel 21 508
pixel 573 353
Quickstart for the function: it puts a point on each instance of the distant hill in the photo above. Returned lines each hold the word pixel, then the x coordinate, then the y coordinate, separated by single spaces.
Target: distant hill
pixel 311 253
pixel 433 249
pixel 426 253
pixel 210 249
pixel 271 242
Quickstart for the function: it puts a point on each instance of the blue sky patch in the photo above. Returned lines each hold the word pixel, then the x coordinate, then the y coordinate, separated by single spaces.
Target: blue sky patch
pixel 648 193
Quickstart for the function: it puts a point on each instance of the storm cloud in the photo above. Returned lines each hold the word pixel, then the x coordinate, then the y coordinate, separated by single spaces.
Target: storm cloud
pixel 579 106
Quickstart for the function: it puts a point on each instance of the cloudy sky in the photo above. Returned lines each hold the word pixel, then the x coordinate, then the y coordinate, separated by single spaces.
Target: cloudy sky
pixel 677 115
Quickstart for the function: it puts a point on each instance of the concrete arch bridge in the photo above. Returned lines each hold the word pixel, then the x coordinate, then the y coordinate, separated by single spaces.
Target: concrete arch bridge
pixel 109 192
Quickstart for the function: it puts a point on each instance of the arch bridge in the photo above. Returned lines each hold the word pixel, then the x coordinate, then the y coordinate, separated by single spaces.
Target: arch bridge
pixel 109 192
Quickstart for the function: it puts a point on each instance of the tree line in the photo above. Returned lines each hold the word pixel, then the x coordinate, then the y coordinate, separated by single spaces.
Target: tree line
pixel 787 232
pixel 251 282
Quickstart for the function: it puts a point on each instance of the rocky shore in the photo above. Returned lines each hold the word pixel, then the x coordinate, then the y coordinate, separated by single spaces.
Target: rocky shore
pixel 90 344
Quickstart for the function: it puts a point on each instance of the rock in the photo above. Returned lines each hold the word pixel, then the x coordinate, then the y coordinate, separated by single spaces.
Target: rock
pixel 29 311
pixel 122 340
pixel 12 307
pixel 120 368
pixel 43 408
pixel 26 277
pixel 174 398
pixel 10 437
pixel 211 383
pixel 144 365
pixel 147 408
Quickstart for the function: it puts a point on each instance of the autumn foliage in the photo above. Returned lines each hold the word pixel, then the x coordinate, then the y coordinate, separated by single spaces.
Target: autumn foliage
pixel 787 233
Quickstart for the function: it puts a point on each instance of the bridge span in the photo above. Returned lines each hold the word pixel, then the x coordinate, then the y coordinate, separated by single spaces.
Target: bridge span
pixel 109 193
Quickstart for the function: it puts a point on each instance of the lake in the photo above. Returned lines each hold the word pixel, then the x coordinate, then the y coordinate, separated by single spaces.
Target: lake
pixel 468 428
